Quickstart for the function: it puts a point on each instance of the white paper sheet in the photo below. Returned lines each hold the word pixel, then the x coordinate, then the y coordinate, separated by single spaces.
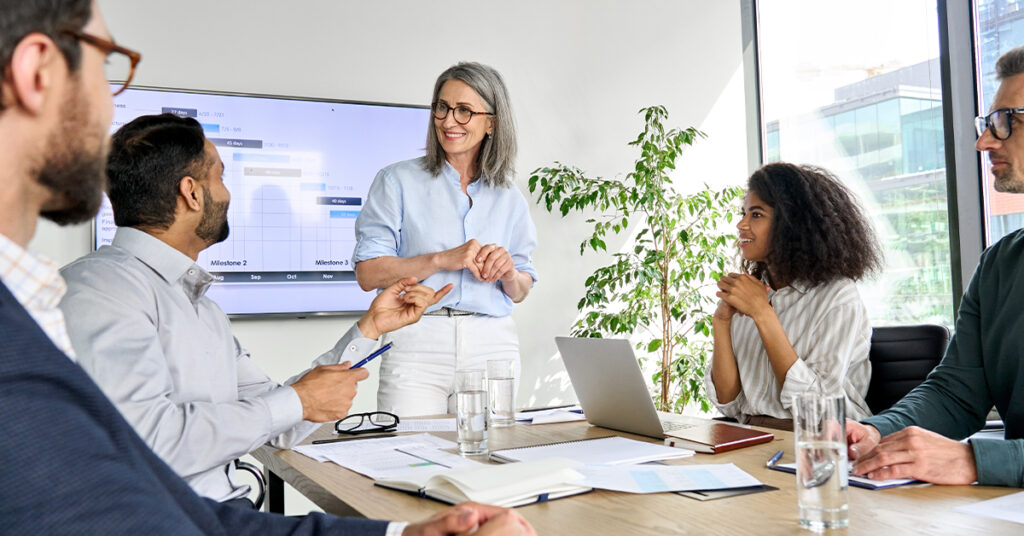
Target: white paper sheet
pixel 1008 508
pixel 662 478
pixel 547 416
pixel 427 425
pixel 612 450
pixel 384 457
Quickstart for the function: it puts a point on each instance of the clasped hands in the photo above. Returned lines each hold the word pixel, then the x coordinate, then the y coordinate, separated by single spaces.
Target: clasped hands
pixel 741 293
pixel 488 263
pixel 472 518
pixel 910 453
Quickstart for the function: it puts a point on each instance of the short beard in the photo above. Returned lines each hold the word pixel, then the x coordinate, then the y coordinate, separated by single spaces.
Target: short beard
pixel 74 173
pixel 1007 182
pixel 213 226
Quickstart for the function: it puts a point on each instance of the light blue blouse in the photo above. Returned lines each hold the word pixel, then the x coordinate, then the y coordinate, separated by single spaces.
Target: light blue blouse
pixel 410 212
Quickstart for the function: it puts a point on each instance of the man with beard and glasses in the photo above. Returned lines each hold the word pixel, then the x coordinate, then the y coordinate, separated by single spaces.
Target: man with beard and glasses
pixel 163 352
pixel 919 437
pixel 71 463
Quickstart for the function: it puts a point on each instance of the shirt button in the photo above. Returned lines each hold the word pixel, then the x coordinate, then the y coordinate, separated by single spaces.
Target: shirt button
pixel 191 272
pixel 352 348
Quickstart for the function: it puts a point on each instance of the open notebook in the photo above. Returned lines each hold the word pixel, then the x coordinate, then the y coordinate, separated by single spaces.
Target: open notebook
pixel 606 450
pixel 501 485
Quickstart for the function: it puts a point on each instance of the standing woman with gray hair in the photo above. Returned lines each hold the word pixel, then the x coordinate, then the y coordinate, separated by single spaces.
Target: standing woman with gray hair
pixel 452 217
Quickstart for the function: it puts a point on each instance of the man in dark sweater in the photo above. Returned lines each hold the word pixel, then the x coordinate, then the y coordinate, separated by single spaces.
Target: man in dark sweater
pixel 71 463
pixel 984 364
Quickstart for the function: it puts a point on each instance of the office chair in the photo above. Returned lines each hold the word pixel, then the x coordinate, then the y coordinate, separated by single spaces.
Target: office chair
pixel 901 358
pixel 261 484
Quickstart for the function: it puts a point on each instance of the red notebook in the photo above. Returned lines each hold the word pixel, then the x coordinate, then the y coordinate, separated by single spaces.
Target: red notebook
pixel 712 437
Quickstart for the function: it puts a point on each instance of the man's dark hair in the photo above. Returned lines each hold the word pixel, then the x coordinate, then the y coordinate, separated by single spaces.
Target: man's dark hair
pixel 819 233
pixel 1011 63
pixel 148 158
pixel 18 18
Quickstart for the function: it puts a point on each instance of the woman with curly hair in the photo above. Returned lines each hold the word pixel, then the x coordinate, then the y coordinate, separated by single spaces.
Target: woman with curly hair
pixel 794 321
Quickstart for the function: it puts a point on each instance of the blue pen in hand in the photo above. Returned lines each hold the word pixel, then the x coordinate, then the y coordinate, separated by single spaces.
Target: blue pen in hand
pixel 370 357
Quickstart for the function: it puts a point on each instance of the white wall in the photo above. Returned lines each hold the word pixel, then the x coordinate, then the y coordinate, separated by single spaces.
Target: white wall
pixel 577 70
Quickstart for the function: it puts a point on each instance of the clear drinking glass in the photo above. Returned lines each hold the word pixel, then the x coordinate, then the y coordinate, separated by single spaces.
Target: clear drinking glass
pixel 501 387
pixel 819 426
pixel 471 411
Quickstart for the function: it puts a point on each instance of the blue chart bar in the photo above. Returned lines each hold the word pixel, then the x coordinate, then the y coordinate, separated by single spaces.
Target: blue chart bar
pixel 339 201
pixel 312 186
pixel 265 158
pixel 210 127
pixel 344 213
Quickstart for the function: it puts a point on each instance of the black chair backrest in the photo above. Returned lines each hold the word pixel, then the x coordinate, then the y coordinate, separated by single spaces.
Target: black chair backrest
pixel 901 358
pixel 261 485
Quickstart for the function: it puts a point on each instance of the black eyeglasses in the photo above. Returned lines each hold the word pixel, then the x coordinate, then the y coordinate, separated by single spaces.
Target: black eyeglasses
pixel 367 423
pixel 462 114
pixel 121 62
pixel 998 121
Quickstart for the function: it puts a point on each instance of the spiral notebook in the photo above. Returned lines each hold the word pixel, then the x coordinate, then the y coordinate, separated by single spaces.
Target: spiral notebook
pixel 605 450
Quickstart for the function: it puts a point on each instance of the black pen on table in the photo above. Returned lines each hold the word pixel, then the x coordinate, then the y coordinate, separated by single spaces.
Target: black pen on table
pixel 549 408
pixel 339 439
pixel 370 357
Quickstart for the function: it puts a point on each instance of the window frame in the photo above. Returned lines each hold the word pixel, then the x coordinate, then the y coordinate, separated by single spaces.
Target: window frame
pixel 958 60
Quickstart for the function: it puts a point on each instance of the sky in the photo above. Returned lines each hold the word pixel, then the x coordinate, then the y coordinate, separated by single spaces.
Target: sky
pixel 804 59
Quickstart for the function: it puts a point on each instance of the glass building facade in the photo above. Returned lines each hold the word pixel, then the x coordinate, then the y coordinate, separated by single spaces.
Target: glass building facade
pixel 883 136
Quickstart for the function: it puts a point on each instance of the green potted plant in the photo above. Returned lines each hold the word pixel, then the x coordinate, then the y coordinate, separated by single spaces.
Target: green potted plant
pixel 657 288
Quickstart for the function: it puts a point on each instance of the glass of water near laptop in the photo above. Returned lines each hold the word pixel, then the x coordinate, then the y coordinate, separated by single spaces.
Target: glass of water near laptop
pixel 501 387
pixel 471 411
pixel 819 429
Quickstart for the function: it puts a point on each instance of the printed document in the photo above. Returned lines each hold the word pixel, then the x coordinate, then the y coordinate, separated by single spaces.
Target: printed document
pixel 389 457
pixel 662 478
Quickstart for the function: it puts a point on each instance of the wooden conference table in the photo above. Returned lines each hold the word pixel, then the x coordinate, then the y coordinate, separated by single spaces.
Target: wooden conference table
pixel 917 509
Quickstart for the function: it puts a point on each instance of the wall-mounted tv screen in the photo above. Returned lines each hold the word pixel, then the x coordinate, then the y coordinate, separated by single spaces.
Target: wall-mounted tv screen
pixel 298 171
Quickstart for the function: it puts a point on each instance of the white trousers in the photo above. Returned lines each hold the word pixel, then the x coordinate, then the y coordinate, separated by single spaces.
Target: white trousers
pixel 417 375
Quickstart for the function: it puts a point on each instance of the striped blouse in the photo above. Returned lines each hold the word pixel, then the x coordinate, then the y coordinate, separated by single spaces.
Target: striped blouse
pixel 829 329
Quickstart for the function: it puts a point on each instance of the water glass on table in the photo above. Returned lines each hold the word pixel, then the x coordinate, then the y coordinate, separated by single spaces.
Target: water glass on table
pixel 819 428
pixel 471 411
pixel 501 391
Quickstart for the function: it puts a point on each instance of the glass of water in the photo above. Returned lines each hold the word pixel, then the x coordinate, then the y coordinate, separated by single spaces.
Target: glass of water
pixel 501 387
pixel 819 427
pixel 471 411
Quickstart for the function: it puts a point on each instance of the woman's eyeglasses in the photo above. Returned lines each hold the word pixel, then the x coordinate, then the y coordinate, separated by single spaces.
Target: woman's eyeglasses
pixel 367 423
pixel 462 114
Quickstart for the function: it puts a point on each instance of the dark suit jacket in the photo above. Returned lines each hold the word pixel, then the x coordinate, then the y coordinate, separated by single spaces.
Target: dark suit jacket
pixel 70 464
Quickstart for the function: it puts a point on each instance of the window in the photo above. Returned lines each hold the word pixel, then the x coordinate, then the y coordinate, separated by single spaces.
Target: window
pixel 862 98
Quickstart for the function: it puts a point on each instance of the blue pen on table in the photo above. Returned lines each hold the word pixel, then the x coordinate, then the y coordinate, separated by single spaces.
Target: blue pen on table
pixel 370 357
pixel 774 459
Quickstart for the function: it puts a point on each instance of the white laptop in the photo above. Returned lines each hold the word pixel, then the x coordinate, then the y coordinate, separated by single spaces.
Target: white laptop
pixel 611 388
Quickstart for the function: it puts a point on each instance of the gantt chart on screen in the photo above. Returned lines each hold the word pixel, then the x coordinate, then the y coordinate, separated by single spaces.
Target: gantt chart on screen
pixel 298 172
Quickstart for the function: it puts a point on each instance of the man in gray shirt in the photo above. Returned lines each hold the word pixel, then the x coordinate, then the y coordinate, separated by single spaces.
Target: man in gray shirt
pixel 162 351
